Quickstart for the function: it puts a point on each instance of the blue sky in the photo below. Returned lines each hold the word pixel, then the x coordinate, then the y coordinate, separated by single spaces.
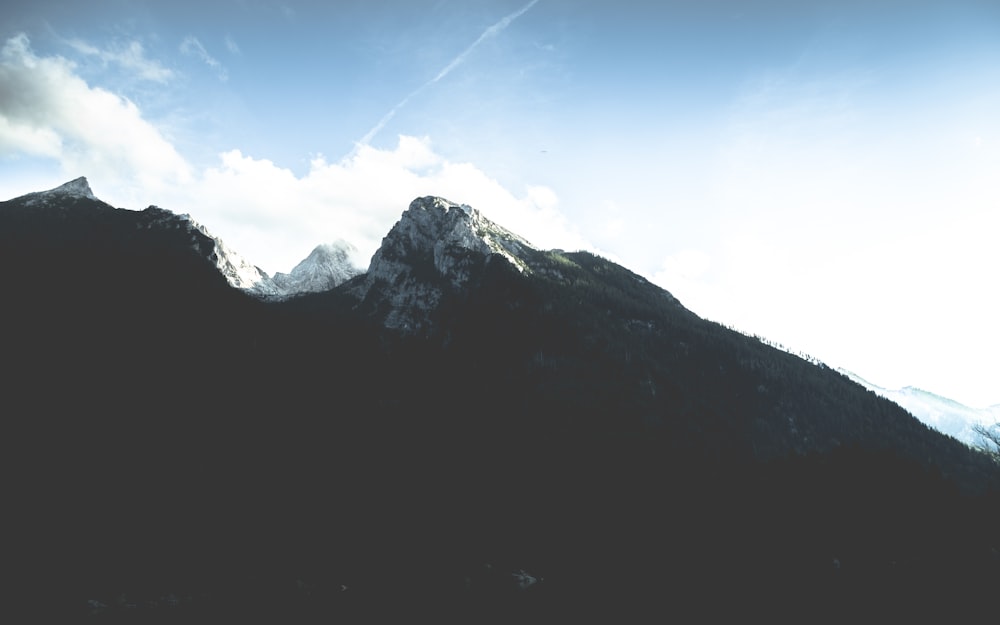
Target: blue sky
pixel 824 174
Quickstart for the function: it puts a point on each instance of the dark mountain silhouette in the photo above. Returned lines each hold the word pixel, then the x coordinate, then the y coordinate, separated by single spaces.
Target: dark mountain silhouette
pixel 473 429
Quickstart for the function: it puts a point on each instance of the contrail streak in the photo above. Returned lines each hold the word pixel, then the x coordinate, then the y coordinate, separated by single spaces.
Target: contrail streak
pixel 492 31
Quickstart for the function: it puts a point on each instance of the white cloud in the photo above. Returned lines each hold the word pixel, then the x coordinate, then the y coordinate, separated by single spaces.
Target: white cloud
pixel 686 275
pixel 47 110
pixel 192 47
pixel 131 57
pixel 836 231
pixel 274 217
pixel 687 264
pixel 232 46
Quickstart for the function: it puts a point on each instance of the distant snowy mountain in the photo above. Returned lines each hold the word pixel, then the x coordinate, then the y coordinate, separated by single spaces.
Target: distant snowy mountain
pixel 943 414
pixel 327 266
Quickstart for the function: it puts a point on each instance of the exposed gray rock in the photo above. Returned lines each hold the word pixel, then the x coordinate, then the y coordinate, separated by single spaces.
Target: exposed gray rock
pixel 435 246
pixel 78 188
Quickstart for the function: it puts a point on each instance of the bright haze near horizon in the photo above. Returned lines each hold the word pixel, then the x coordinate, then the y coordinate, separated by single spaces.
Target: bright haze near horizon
pixel 822 174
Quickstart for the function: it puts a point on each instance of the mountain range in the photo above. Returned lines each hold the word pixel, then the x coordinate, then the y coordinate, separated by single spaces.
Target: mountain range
pixel 941 413
pixel 467 408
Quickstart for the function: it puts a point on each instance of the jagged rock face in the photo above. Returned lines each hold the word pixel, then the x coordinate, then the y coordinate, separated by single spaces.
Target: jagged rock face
pixel 434 248
pixel 237 271
pixel 327 266
pixel 441 231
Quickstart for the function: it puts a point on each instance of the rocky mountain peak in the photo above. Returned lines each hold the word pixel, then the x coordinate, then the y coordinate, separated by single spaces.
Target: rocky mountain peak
pixel 78 188
pixel 436 246
pixel 440 231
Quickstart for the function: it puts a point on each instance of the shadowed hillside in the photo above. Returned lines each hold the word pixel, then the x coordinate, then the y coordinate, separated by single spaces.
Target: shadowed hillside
pixel 553 415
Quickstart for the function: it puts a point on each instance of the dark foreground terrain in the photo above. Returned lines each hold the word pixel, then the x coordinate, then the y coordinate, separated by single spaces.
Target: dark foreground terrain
pixel 559 445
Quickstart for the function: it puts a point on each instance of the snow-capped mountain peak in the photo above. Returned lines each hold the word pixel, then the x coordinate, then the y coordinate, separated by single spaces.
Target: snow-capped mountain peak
pixel 327 266
pixel 78 188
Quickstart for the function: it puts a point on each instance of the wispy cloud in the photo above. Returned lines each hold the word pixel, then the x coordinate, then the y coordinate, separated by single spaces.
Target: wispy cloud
pixel 232 46
pixel 192 47
pixel 490 32
pixel 130 56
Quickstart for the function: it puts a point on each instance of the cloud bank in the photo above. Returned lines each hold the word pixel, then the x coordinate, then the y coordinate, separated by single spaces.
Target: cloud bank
pixel 46 110
pixel 256 205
